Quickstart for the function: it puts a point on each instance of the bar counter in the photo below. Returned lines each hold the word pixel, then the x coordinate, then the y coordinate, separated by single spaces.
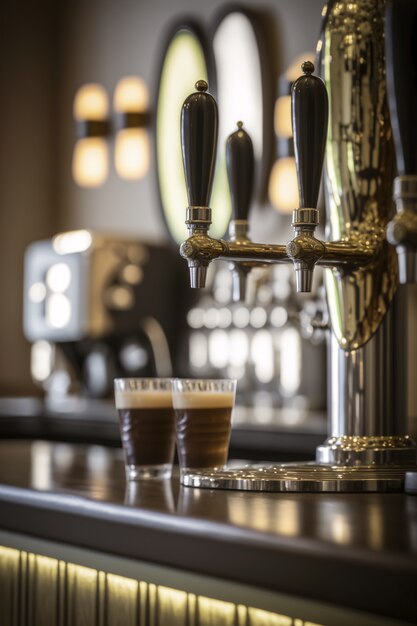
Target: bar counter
pixel 327 559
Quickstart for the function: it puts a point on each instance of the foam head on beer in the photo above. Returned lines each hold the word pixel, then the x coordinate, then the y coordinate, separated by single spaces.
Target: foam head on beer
pixel 145 398
pixel 204 399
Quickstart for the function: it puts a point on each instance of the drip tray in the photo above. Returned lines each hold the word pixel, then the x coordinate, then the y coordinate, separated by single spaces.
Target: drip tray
pixel 300 477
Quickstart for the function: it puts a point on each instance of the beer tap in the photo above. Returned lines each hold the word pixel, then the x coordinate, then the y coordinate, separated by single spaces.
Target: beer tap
pixel 199 128
pixel 240 172
pixel 199 136
pixel 367 448
pixel 309 111
pixel 401 20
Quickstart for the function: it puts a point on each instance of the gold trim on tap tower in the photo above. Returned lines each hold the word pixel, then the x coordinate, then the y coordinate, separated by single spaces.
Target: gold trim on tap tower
pixel 359 167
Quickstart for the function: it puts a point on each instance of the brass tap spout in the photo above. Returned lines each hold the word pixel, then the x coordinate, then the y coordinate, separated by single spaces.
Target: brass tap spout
pixel 199 249
pixel 199 135
pixel 202 249
pixel 305 250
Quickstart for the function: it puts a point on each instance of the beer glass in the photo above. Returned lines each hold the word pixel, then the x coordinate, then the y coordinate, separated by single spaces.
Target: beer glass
pixel 203 411
pixel 147 426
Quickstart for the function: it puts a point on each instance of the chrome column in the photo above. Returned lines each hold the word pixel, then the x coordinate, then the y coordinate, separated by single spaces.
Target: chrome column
pixel 368 414
pixel 368 398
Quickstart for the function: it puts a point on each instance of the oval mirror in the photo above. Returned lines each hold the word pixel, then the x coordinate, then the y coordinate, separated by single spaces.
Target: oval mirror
pixel 244 87
pixel 186 59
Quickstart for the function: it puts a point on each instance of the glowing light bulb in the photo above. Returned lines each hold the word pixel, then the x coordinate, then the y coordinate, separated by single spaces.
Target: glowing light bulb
pixel 131 95
pixel 90 164
pixel 91 103
pixel 283 185
pixel 91 156
pixel 132 151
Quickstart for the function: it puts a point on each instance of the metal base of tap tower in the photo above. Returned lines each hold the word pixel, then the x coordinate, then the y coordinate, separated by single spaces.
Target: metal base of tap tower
pixel 391 451
pixel 344 465
pixel 301 477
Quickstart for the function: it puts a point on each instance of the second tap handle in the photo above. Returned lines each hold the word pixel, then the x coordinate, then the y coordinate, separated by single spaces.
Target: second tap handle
pixel 240 169
pixel 401 55
pixel 310 112
pixel 199 127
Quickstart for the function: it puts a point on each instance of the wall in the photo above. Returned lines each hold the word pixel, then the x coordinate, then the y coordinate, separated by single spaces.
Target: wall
pixel 105 40
pixel 27 165
pixel 47 50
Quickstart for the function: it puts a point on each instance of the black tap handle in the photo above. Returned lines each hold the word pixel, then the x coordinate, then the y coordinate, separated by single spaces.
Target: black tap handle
pixel 199 125
pixel 310 112
pixel 401 63
pixel 240 168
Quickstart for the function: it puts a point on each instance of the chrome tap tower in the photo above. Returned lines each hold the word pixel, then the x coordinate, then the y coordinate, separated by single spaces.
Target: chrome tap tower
pixel 345 120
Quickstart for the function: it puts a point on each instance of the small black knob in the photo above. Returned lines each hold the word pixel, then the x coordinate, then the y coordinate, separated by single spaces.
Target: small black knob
pixel 199 126
pixel 310 112
pixel 401 63
pixel 240 169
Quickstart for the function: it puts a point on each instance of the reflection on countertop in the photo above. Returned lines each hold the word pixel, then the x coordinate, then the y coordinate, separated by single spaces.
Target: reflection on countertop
pixel 351 550
pixel 370 522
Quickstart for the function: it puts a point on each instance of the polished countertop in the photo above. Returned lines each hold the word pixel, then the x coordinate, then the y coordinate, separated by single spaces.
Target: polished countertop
pixel 357 551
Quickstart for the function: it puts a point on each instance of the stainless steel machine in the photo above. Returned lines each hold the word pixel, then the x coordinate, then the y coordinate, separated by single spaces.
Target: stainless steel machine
pixel 369 255
pixel 99 306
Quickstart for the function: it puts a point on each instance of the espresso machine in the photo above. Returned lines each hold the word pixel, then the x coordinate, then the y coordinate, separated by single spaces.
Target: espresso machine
pixel 98 306
pixel 369 253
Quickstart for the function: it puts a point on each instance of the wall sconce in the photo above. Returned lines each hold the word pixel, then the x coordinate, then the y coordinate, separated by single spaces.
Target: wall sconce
pixel 132 151
pixel 91 154
pixel 283 185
